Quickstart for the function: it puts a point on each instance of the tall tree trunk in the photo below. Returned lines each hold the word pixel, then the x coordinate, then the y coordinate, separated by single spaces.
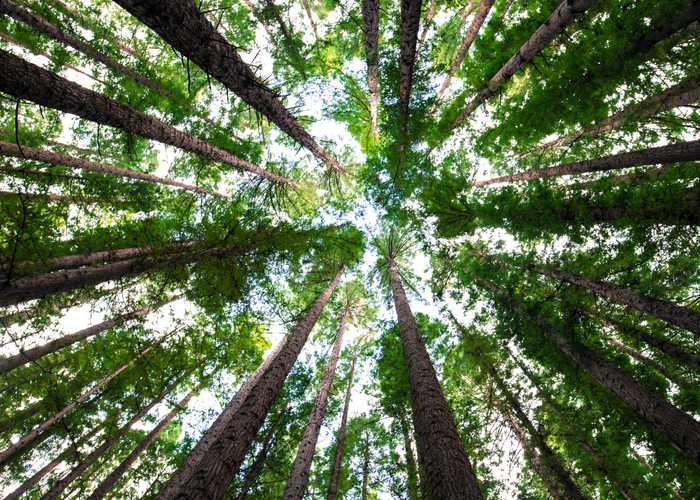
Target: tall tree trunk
pixel 682 151
pixel 428 20
pixel 35 353
pixel 35 433
pixel 680 316
pixel 678 427
pixel 45 156
pixel 340 440
pixel 540 39
pixel 683 94
pixel 365 469
pixel 59 486
pixel 479 18
pixel 253 472
pixel 309 14
pixel 370 16
pixel 189 32
pixel 299 477
pixel 448 473
pixel 24 80
pixel 210 477
pixel 110 481
pixel 411 469
pixel 408 37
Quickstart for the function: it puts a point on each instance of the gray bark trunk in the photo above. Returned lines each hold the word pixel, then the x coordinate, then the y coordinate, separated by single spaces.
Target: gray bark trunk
pixel 370 16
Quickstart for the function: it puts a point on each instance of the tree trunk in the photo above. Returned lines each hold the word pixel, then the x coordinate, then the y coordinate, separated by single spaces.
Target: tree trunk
pixel 479 18
pixel 251 475
pixel 191 34
pixel 309 14
pixel 210 477
pixel 673 153
pixel 36 353
pixel 44 156
pixel 299 477
pixel 410 21
pixel 540 39
pixel 428 19
pixel 32 435
pixel 24 80
pixel 340 441
pixel 365 469
pixel 411 469
pixel 448 473
pixel 110 481
pixel 673 314
pixel 370 15
pixel 682 94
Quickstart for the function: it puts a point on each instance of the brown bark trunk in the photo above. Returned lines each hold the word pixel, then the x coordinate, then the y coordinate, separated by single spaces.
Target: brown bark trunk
pixel 448 473
pixel 309 14
pixel 299 477
pixel 365 469
pixel 411 469
pixel 191 34
pixel 24 80
pixel 654 365
pixel 428 19
pixel 340 440
pixel 251 475
pixel 479 18
pixel 682 151
pixel 370 16
pixel 211 476
pixel 410 21
pixel 540 39
pixel 35 433
pixel 44 156
pixel 110 481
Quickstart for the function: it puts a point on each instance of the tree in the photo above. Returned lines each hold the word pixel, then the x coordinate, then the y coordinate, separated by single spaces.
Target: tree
pixel 370 15
pixel 340 438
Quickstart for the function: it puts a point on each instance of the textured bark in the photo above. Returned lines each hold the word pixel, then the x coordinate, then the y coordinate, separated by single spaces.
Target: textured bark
pixel 192 35
pixel 365 469
pixel 370 16
pixel 299 477
pixel 24 80
pixel 340 440
pixel 481 13
pixel 36 353
pixel 35 433
pixel 540 39
pixel 411 469
pixel 44 156
pixel 682 94
pixel 59 486
pixel 447 471
pixel 682 151
pixel 212 474
pixel 408 37
pixel 664 310
pixel 110 481
pixel 253 472
pixel 655 365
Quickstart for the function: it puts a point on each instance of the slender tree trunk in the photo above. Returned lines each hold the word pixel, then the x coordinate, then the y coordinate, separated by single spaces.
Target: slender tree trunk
pixel 251 475
pixel 44 156
pixel 540 39
pixel 211 476
pixel 24 80
pixel 411 469
pixel 309 14
pixel 410 21
pixel 59 486
pixel 110 481
pixel 682 317
pixel 428 20
pixel 370 16
pixel 448 473
pixel 673 153
pixel 192 35
pixel 479 18
pixel 365 469
pixel 36 353
pixel 35 433
pixel 340 440
pixel 299 477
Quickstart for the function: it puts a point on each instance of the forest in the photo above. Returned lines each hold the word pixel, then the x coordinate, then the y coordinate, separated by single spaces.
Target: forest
pixel 350 249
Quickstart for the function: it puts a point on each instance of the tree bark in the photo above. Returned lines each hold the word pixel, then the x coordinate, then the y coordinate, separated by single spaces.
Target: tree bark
pixel 189 32
pixel 340 440
pixel 211 476
pixel 540 39
pixel 408 37
pixel 45 156
pixel 309 14
pixel 682 151
pixel 365 469
pixel 370 16
pixel 110 481
pixel 428 19
pixel 251 475
pixel 299 477
pixel 479 18
pixel 411 469
pixel 24 80
pixel 448 473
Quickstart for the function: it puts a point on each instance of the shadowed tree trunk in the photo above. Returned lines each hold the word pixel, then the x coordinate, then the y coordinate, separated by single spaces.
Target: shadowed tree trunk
pixel 24 80
pixel 411 469
pixel 189 32
pixel 210 477
pixel 447 471
pixel 365 468
pixel 410 21
pixel 299 477
pixel 682 151
pixel 340 441
pixel 252 473
pixel 481 13
pixel 370 16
